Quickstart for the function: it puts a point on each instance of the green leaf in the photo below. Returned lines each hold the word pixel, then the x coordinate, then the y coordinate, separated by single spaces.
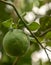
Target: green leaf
pixel 4 15
pixel 48 43
pixel 48 35
pixel 47 63
pixel 45 23
pixel 5 58
pixel 33 26
pixel 8 23
pixel 30 3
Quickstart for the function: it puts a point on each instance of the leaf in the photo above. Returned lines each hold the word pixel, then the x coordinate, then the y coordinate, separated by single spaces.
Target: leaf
pixel 3 29
pixel 27 2
pixel 48 43
pixel 4 15
pixel 6 60
pixel 41 3
pixel 45 23
pixel 34 26
pixel 48 35
pixel 47 63
pixel 8 23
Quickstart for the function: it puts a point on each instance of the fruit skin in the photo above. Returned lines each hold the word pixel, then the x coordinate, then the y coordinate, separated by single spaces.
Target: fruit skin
pixel 16 43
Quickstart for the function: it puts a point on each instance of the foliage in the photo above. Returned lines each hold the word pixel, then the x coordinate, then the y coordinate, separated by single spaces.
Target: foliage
pixel 38 32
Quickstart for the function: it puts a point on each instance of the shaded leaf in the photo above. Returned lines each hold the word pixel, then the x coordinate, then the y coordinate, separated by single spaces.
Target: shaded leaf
pixel 45 23
pixel 48 35
pixel 48 43
pixel 3 14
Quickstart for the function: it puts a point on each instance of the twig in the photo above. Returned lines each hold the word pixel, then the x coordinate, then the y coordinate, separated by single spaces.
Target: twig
pixel 48 49
pixel 47 55
pixel 33 35
pixel 35 18
pixel 45 32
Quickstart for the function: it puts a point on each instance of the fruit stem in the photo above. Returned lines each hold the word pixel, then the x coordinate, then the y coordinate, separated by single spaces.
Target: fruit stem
pixel 15 61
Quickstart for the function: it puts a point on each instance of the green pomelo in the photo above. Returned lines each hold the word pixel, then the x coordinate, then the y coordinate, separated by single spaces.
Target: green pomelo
pixel 16 43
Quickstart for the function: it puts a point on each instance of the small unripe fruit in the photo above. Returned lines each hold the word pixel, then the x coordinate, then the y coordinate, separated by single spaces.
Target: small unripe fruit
pixel 16 43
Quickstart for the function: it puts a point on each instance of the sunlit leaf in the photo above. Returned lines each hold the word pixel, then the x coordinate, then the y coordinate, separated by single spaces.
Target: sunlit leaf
pixel 34 26
pixel 8 23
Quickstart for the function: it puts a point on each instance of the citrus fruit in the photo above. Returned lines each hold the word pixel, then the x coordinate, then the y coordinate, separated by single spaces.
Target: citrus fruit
pixel 16 42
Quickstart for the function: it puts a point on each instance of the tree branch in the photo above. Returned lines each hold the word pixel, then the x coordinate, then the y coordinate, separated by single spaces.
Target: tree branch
pixel 33 35
pixel 47 55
